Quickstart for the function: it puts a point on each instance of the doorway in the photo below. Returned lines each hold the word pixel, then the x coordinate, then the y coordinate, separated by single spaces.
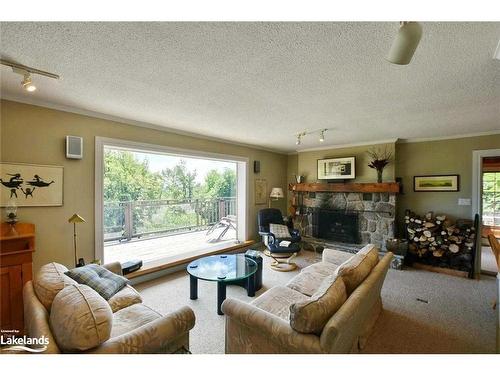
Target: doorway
pixel 486 196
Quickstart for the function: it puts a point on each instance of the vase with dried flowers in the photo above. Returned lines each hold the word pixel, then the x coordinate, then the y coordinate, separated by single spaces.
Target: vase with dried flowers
pixel 380 160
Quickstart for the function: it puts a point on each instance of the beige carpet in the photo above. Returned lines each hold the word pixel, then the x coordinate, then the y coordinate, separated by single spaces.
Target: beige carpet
pixel 457 317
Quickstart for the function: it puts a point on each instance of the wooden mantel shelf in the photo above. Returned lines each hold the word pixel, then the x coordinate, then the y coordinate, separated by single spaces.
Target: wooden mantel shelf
pixel 334 187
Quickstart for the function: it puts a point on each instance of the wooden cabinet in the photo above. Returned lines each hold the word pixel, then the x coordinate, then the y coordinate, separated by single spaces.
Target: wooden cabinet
pixel 16 249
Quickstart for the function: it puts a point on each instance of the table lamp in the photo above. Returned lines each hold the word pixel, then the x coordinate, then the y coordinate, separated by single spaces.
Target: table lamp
pixel 276 193
pixel 75 219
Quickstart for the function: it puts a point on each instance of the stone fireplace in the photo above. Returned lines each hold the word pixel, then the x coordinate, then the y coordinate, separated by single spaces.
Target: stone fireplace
pixel 350 218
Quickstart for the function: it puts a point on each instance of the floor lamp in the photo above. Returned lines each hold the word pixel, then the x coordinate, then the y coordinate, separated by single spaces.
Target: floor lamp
pixel 76 219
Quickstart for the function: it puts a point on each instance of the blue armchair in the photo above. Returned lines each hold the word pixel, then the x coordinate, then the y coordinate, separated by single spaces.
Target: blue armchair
pixel 282 255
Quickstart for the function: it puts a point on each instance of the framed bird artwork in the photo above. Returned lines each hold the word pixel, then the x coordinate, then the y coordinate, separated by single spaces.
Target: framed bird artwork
pixel 31 185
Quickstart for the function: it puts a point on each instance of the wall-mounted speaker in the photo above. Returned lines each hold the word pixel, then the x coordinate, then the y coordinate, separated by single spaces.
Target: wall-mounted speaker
pixel 256 166
pixel 74 147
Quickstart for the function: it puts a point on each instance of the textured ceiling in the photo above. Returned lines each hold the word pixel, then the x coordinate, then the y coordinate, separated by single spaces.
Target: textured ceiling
pixel 261 83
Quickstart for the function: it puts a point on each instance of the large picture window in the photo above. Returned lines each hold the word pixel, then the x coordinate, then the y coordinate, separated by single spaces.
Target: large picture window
pixel 161 205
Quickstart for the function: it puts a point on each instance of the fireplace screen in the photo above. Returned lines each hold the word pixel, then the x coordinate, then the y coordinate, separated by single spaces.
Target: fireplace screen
pixel 336 225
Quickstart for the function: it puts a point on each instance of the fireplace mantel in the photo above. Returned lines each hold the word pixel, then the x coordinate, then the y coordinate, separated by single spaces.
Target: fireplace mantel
pixel 334 187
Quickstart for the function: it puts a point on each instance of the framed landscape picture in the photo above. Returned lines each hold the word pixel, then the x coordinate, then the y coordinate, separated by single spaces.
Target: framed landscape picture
pixel 31 184
pixel 336 169
pixel 436 183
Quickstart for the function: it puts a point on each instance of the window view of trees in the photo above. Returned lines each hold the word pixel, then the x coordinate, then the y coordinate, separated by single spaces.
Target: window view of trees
pixel 139 201
pixel 491 198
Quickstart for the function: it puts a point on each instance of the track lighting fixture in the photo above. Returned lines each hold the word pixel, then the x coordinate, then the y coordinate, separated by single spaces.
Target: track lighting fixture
pixel 405 43
pixel 27 72
pixel 305 132
pixel 27 83
pixel 322 135
pixel 299 138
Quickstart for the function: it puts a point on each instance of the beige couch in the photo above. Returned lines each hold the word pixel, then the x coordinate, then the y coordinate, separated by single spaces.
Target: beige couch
pixel 75 318
pixel 329 307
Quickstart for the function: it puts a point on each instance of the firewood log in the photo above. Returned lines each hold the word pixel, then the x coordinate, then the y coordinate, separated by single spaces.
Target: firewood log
pixel 454 248
pixel 438 253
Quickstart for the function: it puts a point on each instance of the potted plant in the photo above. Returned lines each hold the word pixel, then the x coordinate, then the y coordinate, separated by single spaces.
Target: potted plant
pixel 380 159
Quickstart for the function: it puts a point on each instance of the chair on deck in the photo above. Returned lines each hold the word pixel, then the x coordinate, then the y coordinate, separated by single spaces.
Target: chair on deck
pixel 227 222
pixel 273 230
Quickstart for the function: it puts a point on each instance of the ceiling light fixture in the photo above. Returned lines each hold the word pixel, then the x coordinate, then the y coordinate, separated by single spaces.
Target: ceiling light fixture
pixel 405 43
pixel 322 135
pixel 305 132
pixel 27 83
pixel 26 72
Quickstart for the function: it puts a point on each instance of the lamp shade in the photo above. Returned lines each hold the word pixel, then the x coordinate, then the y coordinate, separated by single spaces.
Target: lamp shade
pixel 277 193
pixel 76 219
pixel 405 43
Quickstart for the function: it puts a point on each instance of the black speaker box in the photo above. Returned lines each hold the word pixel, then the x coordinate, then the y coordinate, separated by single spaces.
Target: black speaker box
pixel 256 166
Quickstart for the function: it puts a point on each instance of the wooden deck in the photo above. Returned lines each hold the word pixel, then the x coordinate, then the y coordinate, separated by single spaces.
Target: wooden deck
pixel 165 247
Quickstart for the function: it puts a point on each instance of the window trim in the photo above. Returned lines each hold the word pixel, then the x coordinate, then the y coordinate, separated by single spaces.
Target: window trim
pixel 242 177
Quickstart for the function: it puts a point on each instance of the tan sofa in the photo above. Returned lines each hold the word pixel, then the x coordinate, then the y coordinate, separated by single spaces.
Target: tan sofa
pixel 269 324
pixel 75 318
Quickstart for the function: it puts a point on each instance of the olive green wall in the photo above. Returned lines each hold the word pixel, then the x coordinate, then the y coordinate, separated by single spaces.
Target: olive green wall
pixel 307 162
pixel 32 134
pixel 292 171
pixel 452 156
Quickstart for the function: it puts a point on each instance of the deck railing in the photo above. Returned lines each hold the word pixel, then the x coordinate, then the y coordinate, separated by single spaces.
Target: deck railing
pixel 136 219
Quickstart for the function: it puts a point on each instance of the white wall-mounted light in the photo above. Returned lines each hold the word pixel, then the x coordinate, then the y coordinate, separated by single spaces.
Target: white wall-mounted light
pixel 405 43
pixel 276 193
pixel 27 72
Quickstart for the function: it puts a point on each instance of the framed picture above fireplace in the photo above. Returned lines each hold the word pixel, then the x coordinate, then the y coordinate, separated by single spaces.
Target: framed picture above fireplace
pixel 337 169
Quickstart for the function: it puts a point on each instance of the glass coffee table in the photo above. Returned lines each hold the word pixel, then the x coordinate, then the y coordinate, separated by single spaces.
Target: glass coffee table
pixel 224 269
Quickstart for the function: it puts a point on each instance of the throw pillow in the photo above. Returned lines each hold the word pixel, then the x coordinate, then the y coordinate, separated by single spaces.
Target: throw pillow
pixel 80 318
pixel 356 269
pixel 50 280
pixel 279 230
pixel 104 282
pixel 311 316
